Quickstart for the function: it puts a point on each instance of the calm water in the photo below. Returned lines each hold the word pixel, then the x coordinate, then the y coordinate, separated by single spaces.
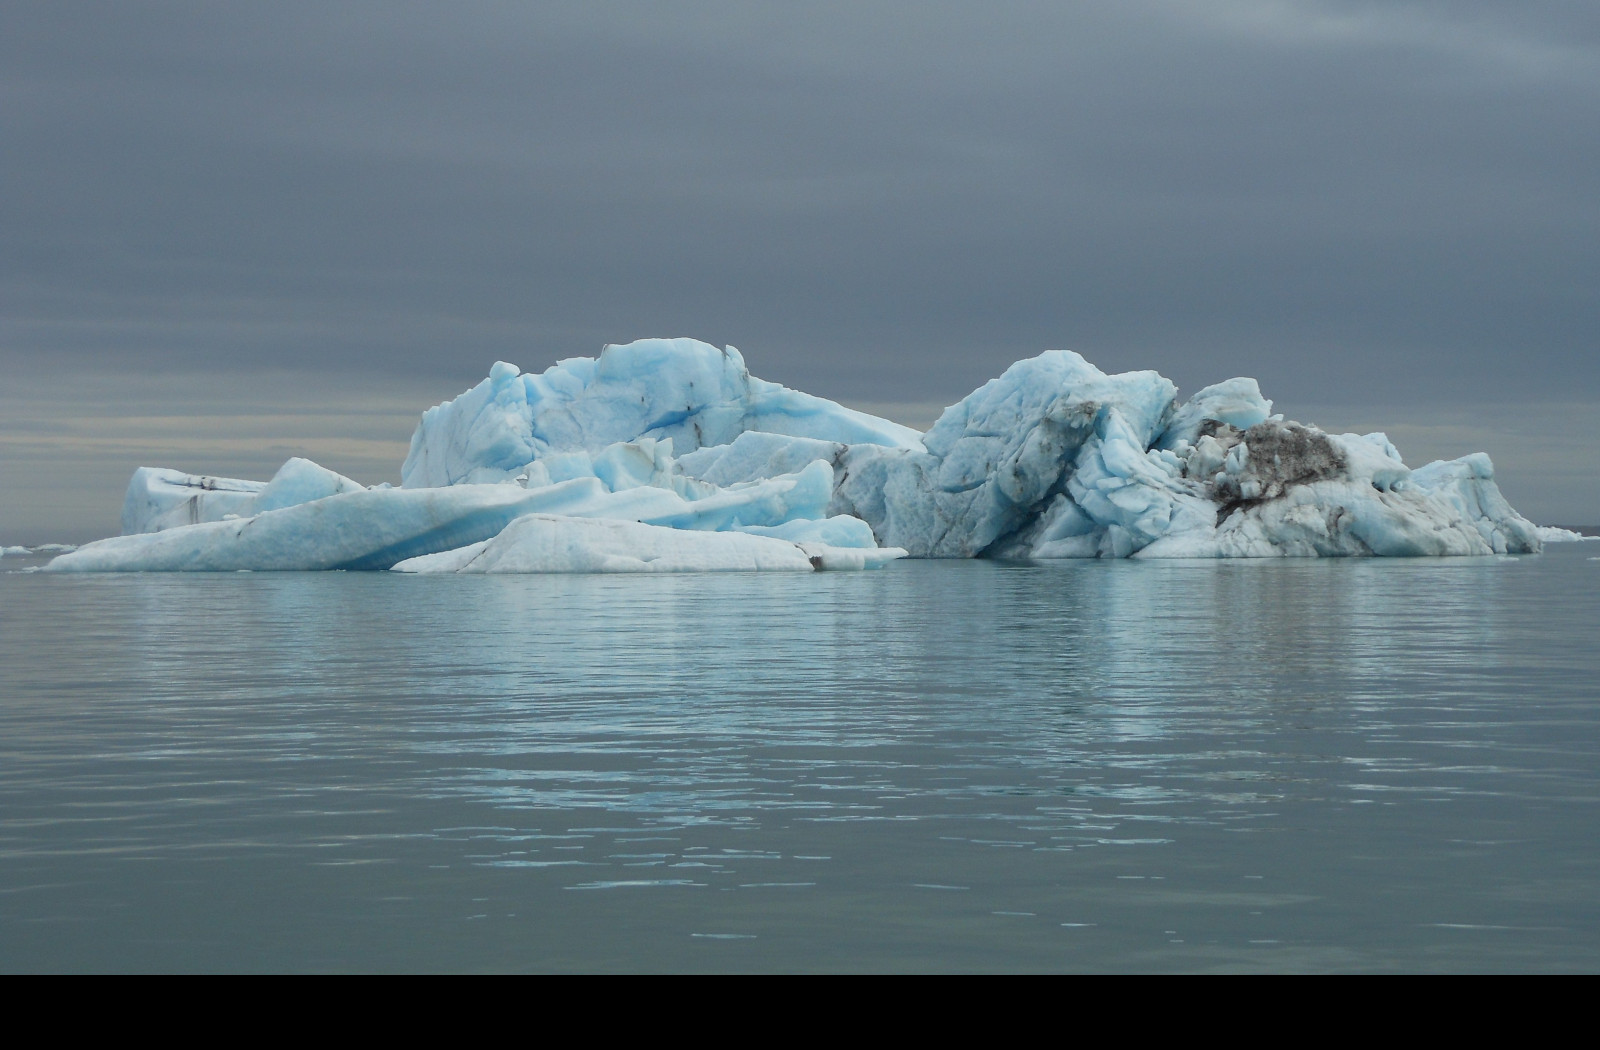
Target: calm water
pixel 1368 765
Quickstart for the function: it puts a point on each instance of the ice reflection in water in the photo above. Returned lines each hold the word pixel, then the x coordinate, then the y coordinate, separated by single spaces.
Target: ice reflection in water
pixel 971 766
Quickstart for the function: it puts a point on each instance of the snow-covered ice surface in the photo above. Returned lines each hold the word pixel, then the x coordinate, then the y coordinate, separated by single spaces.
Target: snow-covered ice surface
pixel 667 455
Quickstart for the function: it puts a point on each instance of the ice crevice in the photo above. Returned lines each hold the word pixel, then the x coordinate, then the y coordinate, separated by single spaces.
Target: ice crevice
pixel 666 455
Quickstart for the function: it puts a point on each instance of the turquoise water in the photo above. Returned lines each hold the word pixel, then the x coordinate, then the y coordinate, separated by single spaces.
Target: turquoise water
pixel 1330 765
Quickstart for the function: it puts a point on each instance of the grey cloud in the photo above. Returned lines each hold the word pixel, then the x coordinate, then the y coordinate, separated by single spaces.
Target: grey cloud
pixel 1386 202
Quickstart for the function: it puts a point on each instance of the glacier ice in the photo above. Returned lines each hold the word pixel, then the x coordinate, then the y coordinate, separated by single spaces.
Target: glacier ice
pixel 667 455
pixel 757 454
pixel 163 499
pixel 993 463
pixel 378 528
pixel 1236 402
pixel 559 543
pixel 682 389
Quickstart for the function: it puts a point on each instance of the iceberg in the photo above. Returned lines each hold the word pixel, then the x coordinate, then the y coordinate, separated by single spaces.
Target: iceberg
pixel 666 455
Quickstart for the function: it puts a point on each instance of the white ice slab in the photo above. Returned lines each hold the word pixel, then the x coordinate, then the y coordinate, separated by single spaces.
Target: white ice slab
pixel 159 498
pixel 546 543
pixel 375 528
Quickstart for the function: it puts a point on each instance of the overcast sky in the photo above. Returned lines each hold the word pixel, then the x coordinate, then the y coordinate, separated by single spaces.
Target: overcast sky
pixel 1390 208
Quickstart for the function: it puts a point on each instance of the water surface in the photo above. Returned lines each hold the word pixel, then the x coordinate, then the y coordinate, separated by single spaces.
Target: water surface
pixel 1325 765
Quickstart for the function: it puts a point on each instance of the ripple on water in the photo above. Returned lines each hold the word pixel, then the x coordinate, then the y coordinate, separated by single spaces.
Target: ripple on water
pixel 965 766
